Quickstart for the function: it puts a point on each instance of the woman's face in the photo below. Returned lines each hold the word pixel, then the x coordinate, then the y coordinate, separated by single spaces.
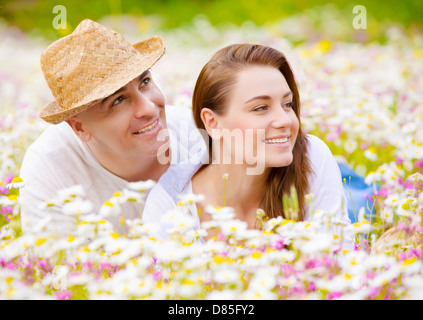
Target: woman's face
pixel 260 108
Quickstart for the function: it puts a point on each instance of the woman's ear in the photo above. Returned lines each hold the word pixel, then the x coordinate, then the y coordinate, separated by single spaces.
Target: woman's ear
pixel 211 123
pixel 78 126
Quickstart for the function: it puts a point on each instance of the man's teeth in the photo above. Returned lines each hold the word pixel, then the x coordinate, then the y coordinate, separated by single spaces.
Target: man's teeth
pixel 280 140
pixel 151 126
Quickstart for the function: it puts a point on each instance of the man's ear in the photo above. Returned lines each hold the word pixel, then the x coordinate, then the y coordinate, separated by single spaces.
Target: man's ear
pixel 78 126
pixel 211 123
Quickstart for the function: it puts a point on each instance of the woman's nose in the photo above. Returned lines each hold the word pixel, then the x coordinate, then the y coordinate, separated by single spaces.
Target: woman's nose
pixel 281 118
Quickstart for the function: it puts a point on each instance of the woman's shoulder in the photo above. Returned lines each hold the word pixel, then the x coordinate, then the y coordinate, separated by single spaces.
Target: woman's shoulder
pixel 316 144
pixel 318 151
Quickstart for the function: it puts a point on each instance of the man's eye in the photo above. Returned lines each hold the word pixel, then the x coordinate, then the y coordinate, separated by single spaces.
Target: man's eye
pixel 145 81
pixel 117 101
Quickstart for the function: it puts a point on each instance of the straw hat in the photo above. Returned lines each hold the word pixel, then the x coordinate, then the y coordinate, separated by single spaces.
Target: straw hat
pixel 90 64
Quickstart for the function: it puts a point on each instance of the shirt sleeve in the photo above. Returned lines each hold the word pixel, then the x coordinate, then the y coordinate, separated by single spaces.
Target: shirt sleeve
pixel 157 204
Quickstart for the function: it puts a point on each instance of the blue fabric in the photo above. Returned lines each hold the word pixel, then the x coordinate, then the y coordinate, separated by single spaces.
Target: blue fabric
pixel 357 192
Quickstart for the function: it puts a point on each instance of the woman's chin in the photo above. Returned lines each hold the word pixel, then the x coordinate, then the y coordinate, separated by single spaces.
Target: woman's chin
pixel 279 163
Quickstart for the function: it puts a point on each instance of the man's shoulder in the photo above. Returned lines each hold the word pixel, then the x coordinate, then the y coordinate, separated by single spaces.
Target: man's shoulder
pixel 177 117
pixel 53 137
pixel 182 127
pixel 51 147
pixel 178 111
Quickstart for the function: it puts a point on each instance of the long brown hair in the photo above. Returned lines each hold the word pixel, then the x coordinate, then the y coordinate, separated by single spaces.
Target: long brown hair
pixel 211 91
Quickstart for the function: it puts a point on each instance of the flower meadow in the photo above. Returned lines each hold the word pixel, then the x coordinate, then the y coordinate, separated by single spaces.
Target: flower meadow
pixel 363 98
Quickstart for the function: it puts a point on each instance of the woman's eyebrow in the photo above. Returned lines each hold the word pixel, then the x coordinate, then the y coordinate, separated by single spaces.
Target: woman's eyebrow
pixel 258 98
pixel 264 97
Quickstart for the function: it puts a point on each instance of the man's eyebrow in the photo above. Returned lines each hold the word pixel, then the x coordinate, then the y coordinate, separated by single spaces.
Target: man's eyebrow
pixel 264 97
pixel 142 76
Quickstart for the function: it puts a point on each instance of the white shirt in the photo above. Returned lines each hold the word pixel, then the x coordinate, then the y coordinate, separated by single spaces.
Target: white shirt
pixel 325 185
pixel 58 160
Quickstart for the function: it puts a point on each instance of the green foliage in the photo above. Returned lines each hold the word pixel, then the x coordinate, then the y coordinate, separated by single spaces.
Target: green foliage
pixel 181 12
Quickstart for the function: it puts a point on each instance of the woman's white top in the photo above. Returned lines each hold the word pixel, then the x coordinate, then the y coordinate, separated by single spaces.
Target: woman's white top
pixel 325 186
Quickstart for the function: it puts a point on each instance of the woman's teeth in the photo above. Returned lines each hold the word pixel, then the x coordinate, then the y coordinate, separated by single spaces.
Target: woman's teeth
pixel 151 126
pixel 280 140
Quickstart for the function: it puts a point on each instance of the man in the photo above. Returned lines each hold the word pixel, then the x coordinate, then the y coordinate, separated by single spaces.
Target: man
pixel 109 117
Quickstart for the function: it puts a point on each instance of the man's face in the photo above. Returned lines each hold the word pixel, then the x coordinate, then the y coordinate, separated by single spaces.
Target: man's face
pixel 127 122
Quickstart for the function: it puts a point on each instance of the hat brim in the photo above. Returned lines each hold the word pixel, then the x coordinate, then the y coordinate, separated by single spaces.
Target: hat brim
pixel 150 49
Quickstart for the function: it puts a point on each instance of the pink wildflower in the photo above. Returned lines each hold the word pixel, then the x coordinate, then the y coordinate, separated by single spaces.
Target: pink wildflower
pixel 327 261
pixel 11 266
pixel 42 263
pixel 383 192
pixel 413 252
pixel 287 270
pixel 402 226
pixel 63 295
pixel 419 164
pixel 6 209
pixel 104 265
pixel 402 256
pixel 322 85
pixel 364 146
pixel 330 137
pixel 186 92
pixel 221 236
pixel 333 295
pixel 9 178
pixel 405 184
pixel 296 291
pixel 279 245
pixel 157 275
pixel 374 292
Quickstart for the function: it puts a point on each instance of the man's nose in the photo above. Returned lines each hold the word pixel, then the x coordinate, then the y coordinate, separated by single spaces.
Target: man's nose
pixel 143 105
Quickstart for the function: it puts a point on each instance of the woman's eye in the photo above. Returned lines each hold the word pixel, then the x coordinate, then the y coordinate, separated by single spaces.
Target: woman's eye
pixel 289 105
pixel 260 108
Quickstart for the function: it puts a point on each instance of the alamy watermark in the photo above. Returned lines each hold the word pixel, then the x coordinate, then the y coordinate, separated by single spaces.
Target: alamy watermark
pixel 59 21
pixel 243 147
pixel 360 20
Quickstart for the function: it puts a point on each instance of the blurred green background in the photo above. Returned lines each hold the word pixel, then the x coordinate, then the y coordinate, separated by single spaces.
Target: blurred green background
pixel 34 16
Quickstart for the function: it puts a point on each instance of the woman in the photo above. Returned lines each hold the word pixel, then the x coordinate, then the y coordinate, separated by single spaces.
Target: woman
pixel 247 101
